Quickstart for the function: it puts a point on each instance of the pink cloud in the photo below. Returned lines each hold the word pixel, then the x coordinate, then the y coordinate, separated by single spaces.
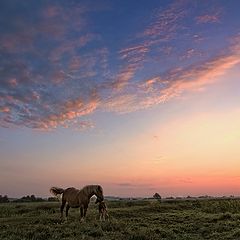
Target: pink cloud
pixel 151 81
pixel 208 18
pixel 162 28
pixel 70 111
pixel 13 82
pixel 166 22
pixel 131 53
pixel 133 58
pixel 123 77
pixel 160 89
pixel 4 109
pixel 194 78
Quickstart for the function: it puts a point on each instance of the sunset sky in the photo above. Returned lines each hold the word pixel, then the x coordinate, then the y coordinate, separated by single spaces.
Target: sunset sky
pixel 138 96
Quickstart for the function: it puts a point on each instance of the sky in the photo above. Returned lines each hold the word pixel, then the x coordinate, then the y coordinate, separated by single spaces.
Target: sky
pixel 138 96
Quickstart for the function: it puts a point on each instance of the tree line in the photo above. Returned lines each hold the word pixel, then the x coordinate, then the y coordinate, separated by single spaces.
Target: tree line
pixel 31 198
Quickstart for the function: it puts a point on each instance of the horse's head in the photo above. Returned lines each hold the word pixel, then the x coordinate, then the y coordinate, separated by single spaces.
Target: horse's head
pixel 99 194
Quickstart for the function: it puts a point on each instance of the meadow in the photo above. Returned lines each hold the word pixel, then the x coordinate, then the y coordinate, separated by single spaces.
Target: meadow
pixel 129 220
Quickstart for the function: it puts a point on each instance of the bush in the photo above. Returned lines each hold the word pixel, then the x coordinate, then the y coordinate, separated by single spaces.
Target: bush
pixel 28 198
pixel 157 196
pixel 4 199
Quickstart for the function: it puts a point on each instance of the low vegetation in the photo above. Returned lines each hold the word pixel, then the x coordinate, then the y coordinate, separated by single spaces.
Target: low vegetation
pixel 129 220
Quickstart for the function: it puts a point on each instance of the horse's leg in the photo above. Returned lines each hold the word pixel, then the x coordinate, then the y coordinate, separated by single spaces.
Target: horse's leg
pixel 107 215
pixel 85 211
pixel 81 213
pixel 62 207
pixel 67 208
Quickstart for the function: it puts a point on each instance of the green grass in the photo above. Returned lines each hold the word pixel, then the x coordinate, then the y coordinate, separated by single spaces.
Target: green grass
pixel 129 220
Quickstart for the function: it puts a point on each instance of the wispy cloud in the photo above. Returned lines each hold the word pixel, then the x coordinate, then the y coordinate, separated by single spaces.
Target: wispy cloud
pixel 133 185
pixel 43 68
pixel 173 83
pixel 162 28
pixel 208 18
pixel 166 22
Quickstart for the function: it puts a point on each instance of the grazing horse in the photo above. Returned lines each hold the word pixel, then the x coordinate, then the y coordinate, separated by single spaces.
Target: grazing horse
pixel 74 198
pixel 103 213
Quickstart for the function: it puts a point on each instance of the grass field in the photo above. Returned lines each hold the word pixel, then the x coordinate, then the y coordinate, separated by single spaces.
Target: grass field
pixel 129 220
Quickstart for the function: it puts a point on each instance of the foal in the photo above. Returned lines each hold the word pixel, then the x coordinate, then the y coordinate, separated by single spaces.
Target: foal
pixel 102 207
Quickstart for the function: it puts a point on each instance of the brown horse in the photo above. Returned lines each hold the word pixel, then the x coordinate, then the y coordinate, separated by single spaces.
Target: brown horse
pixel 74 198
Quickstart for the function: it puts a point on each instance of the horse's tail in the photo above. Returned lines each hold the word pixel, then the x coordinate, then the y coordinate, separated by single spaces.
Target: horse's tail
pixel 56 191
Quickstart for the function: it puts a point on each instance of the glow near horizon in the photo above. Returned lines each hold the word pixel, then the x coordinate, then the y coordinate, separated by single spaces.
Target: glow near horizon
pixel 174 131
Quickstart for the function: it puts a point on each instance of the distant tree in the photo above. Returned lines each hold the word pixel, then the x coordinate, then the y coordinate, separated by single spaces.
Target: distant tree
pixel 33 198
pixel 52 199
pixel 28 198
pixel 157 196
pixel 4 199
pixel 205 196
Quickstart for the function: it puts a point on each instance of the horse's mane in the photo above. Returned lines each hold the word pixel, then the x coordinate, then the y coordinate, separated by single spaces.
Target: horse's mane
pixel 88 189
